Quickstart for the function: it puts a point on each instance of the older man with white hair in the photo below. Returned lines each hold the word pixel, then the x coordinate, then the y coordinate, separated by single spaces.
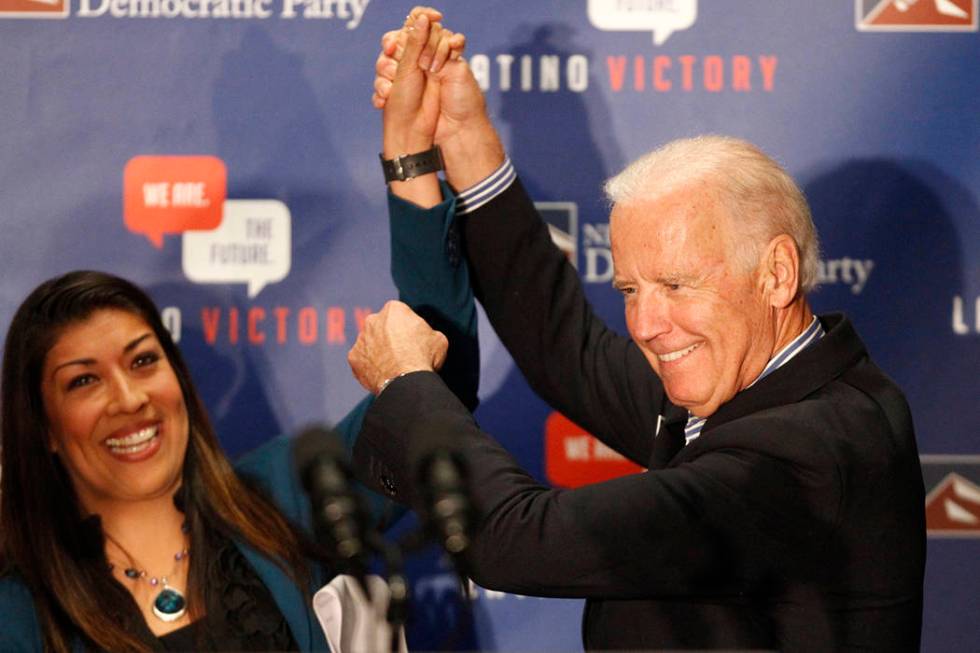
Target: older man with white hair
pixel 782 506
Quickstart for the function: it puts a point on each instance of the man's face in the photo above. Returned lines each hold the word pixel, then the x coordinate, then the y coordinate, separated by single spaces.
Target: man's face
pixel 699 317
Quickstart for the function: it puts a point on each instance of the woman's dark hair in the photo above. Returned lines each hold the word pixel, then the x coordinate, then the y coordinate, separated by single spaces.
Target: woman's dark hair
pixel 43 537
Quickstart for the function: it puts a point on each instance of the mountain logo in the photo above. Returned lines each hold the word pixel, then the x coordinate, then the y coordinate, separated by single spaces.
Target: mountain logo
pixel 916 15
pixel 953 508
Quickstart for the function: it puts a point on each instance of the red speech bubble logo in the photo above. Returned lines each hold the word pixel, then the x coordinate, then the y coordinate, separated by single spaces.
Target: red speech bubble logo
pixel 33 8
pixel 573 457
pixel 173 194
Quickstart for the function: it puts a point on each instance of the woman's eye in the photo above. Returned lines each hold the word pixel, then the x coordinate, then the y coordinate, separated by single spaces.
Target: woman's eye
pixel 80 381
pixel 146 358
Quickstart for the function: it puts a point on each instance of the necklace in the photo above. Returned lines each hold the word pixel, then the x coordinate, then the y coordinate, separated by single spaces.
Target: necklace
pixel 169 604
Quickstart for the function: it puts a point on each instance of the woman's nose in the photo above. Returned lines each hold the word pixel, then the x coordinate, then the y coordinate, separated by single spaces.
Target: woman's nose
pixel 127 396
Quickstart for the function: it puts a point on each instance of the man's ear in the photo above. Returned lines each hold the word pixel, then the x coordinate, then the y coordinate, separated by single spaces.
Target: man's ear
pixel 781 271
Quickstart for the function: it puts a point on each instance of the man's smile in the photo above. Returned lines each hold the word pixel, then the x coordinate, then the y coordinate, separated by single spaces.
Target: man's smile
pixel 677 355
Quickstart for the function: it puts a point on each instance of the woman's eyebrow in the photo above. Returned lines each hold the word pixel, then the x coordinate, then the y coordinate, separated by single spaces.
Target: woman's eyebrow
pixel 135 343
pixel 91 361
pixel 77 361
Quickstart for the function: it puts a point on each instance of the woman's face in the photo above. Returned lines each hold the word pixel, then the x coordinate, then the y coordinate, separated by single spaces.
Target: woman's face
pixel 115 410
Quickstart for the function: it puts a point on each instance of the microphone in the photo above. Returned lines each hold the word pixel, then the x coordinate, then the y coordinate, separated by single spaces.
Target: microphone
pixel 441 476
pixel 447 511
pixel 340 522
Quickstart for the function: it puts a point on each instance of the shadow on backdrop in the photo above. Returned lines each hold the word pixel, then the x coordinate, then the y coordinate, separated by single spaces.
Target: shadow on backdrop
pixel 902 216
pixel 277 144
pixel 228 378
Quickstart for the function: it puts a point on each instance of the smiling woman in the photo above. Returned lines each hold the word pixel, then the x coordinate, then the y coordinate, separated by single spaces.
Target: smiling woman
pixel 117 417
pixel 119 510
pixel 123 527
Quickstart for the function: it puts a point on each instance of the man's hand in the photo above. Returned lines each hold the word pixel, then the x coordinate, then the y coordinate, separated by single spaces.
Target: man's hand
pixel 443 45
pixel 412 56
pixel 424 48
pixel 447 108
pixel 395 341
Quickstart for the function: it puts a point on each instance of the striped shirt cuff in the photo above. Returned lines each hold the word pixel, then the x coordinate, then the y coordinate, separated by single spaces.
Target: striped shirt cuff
pixel 479 194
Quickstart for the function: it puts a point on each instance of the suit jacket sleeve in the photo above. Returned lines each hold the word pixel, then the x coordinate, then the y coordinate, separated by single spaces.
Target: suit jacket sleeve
pixel 535 302
pixel 733 518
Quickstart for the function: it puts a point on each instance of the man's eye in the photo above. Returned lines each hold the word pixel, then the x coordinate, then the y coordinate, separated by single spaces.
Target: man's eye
pixel 80 381
pixel 673 286
pixel 144 359
pixel 626 290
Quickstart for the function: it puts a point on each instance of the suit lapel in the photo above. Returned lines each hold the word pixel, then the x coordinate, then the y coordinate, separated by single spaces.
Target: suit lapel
pixel 670 438
pixel 811 369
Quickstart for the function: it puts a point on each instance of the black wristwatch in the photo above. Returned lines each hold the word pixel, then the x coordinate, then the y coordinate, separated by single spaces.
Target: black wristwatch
pixel 407 166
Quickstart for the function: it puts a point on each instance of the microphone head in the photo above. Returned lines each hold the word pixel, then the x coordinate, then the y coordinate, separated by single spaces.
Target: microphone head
pixel 440 472
pixel 317 443
pixel 340 522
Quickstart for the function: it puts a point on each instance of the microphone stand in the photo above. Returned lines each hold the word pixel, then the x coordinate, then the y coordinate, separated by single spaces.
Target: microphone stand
pixel 398 601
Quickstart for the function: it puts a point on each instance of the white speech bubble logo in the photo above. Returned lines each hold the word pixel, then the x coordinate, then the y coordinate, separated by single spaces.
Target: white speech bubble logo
pixel 253 245
pixel 662 17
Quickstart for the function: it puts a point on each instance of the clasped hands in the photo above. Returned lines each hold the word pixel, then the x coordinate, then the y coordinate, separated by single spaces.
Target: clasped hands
pixel 430 97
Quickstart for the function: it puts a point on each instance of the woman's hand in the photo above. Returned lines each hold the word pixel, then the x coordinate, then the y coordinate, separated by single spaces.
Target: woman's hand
pixel 430 97
pixel 407 85
pixel 443 45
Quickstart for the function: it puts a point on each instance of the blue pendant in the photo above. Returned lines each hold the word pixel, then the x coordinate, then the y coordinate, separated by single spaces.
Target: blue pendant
pixel 169 605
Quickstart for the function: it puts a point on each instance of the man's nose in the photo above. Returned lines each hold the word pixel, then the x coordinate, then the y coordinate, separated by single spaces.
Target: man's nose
pixel 650 319
pixel 128 396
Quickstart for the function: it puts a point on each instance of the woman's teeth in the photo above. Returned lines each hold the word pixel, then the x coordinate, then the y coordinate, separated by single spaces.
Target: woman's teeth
pixel 134 442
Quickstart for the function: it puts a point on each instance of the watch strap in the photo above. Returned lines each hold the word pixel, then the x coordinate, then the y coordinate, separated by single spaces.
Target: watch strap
pixel 407 166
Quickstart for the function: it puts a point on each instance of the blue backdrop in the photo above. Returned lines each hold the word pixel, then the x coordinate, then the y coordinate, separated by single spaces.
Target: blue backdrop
pixel 269 245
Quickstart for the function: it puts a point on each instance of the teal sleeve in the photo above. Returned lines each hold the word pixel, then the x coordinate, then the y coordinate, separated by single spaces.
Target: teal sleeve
pixel 20 632
pixel 272 466
pixel 432 277
pixel 431 273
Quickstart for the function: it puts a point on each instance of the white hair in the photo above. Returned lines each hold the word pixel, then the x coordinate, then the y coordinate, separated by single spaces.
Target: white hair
pixel 762 198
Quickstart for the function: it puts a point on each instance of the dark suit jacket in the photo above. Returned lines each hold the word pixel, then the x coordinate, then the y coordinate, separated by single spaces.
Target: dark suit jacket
pixel 794 522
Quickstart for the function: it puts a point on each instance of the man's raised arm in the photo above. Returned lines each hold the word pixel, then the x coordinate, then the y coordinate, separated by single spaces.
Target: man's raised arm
pixel 532 296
